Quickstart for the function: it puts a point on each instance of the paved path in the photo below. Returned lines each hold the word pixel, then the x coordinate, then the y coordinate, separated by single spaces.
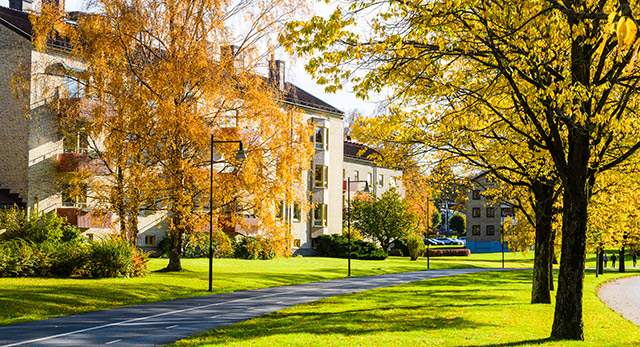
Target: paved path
pixel 165 322
pixel 623 296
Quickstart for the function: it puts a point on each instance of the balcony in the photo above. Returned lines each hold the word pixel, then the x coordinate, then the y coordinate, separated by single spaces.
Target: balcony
pixel 78 108
pixel 74 162
pixel 84 219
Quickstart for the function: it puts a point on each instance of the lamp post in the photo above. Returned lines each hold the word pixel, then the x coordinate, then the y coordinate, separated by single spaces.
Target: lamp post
pixel 366 190
pixel 502 245
pixel 239 155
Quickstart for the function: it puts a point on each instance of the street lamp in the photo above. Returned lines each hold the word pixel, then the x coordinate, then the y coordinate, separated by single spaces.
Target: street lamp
pixel 366 190
pixel 239 155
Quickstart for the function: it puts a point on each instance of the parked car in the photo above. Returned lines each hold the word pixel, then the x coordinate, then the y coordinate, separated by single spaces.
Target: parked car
pixel 450 241
pixel 433 242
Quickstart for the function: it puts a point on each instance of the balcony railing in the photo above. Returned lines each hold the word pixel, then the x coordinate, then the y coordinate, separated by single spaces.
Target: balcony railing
pixel 73 162
pixel 84 219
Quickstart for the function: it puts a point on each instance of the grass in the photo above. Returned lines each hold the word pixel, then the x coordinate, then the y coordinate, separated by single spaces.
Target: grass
pixel 483 309
pixel 29 299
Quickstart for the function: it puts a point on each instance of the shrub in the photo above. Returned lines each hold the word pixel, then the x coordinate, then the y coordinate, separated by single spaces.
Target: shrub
pixel 18 258
pixel 396 252
pixel 36 227
pixel 416 247
pixel 452 252
pixel 254 248
pixel 337 246
pixel 110 257
pixel 68 259
pixel 140 263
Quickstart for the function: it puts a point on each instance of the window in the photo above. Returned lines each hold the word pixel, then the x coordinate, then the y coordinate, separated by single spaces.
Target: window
pixel 74 88
pixel 320 215
pixel 321 176
pixel 476 212
pixel 74 196
pixel 75 142
pixel 476 194
pixel 296 212
pixel 381 181
pixel 280 210
pixel 296 243
pixel 491 212
pixel 475 230
pixel 150 240
pixel 506 211
pixel 321 138
pixel 491 230
pixel 369 179
pixel 356 175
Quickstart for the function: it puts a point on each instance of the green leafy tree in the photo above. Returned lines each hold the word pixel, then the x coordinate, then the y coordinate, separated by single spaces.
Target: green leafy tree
pixel 436 219
pixel 458 223
pixel 384 220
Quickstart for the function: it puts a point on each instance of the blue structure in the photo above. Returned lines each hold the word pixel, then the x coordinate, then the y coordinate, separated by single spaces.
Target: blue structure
pixel 486 246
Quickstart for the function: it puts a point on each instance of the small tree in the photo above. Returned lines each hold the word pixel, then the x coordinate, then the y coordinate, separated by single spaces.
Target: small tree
pixel 436 219
pixel 384 220
pixel 415 245
pixel 457 223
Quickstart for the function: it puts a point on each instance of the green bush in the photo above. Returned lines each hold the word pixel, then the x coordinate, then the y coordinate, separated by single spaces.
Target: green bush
pixel 110 257
pixel 69 259
pixel 36 227
pixel 401 246
pixel 452 252
pixel 416 247
pixel 337 246
pixel 254 248
pixel 18 258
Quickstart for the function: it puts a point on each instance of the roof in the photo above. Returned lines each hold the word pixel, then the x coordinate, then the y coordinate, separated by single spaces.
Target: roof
pixel 359 151
pixel 298 96
pixel 17 21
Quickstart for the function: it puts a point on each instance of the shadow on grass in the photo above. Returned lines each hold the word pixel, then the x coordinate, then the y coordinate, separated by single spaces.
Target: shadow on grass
pixel 519 343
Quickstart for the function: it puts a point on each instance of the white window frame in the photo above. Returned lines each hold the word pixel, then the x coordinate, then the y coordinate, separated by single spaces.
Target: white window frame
pixel 320 215
pixel 323 182
pixel 323 142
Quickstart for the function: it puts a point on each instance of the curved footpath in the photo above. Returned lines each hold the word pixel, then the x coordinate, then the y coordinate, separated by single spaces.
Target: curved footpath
pixel 166 322
pixel 623 296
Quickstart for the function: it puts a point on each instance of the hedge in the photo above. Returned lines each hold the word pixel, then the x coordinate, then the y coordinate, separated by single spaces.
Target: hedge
pixel 337 246
pixel 450 252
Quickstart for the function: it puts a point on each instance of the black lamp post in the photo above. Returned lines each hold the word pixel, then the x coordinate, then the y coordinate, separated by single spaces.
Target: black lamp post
pixel 366 190
pixel 239 155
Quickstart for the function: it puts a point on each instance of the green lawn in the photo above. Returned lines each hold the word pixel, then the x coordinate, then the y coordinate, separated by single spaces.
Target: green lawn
pixel 483 309
pixel 28 299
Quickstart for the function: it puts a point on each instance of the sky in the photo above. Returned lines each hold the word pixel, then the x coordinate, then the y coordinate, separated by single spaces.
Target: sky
pixel 343 100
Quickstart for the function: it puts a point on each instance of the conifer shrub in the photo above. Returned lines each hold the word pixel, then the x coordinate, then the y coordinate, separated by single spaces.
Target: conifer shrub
pixel 337 246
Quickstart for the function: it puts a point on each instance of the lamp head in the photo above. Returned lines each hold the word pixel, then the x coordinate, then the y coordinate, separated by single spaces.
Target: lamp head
pixel 366 187
pixel 240 154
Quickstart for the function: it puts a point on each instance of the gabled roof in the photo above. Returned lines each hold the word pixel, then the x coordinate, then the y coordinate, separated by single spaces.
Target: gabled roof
pixel 359 151
pixel 17 21
pixel 298 96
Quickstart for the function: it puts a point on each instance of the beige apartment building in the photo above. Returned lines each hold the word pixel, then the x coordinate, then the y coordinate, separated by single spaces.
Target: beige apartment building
pixel 484 217
pixel 36 156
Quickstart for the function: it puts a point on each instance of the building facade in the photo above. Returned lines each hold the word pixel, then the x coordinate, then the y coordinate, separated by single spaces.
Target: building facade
pixel 37 155
pixel 485 218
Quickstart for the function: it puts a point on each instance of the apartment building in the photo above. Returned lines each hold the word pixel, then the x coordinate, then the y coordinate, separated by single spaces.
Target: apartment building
pixel 485 217
pixel 359 165
pixel 36 156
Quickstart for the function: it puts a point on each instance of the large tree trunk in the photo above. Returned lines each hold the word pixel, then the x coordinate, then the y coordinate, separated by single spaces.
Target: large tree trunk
pixel 600 261
pixel 175 252
pixel 621 260
pixel 540 291
pixel 567 323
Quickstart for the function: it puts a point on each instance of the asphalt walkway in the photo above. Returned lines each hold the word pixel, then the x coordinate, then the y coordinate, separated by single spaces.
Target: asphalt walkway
pixel 623 296
pixel 165 322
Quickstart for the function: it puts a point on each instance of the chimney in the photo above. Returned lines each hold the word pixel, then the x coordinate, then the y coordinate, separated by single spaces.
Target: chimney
pixel 20 5
pixel 276 74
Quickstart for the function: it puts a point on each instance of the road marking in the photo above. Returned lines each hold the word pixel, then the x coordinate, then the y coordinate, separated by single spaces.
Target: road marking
pixel 171 327
pixel 314 287
pixel 216 316
pixel 150 317
pixel 114 341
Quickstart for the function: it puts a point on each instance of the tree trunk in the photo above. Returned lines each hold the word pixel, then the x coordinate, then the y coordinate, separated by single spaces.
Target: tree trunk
pixel 567 323
pixel 551 262
pixel 175 252
pixel 542 267
pixel 600 261
pixel 621 260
